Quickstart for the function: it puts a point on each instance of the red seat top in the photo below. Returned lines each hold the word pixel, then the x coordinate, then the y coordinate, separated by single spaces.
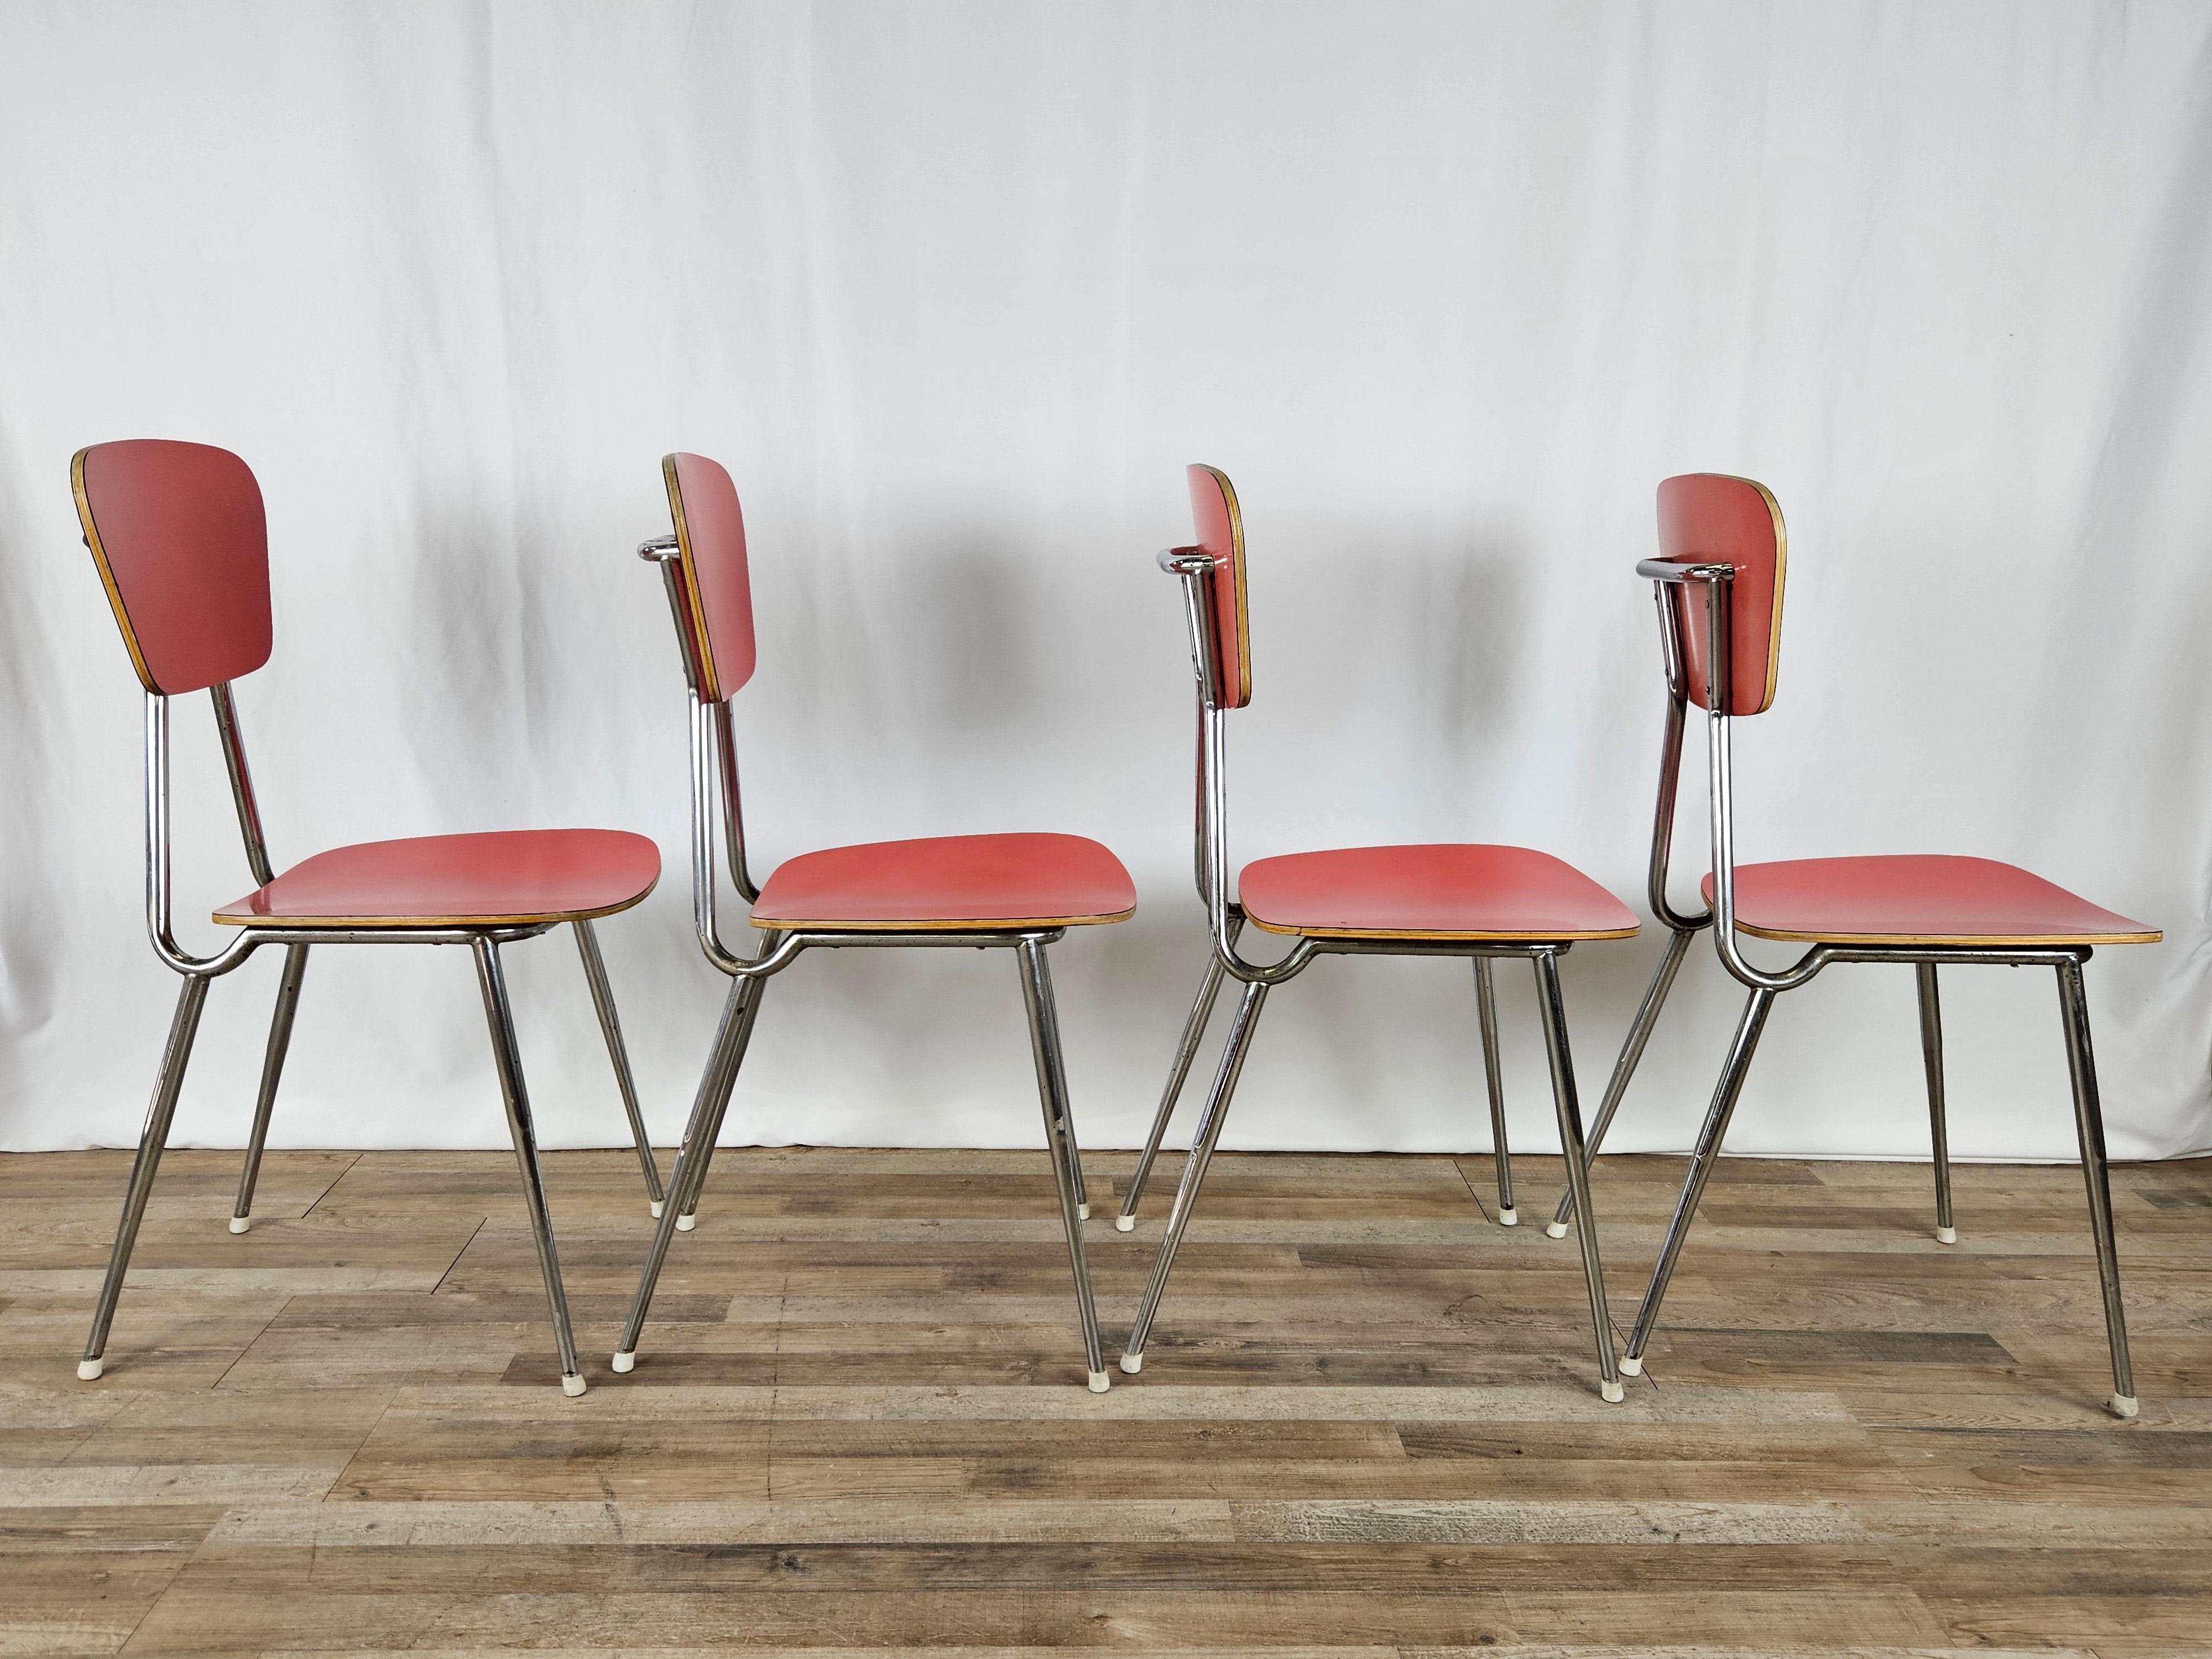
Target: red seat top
pixel 949 882
pixel 1918 899
pixel 1449 892
pixel 510 877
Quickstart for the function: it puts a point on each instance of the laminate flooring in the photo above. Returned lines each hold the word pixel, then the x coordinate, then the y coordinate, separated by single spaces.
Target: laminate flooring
pixel 1368 1422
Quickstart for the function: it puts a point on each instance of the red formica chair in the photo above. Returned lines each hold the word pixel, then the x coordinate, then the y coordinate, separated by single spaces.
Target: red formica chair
pixel 1019 892
pixel 1478 902
pixel 1718 580
pixel 178 533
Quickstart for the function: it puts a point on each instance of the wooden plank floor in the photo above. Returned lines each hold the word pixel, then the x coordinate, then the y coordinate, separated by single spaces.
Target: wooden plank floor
pixel 1368 1424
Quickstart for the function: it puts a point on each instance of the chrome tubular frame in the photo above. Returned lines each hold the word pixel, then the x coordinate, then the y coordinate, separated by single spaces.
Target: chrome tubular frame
pixel 1060 1135
pixel 198 973
pixel 1682 926
pixel 1764 986
pixel 602 1001
pixel 1193 1030
pixel 272 1071
pixel 1631 1055
pixel 714 776
pixel 1225 921
pixel 1931 1059
pixel 1485 1008
pixel 1189 564
pixel 507 1055
pixel 662 550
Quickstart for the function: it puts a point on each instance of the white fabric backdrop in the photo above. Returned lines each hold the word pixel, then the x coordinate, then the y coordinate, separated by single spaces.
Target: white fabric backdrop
pixel 956 291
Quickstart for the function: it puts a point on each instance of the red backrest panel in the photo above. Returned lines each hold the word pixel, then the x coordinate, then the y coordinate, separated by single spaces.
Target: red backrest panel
pixel 1709 517
pixel 182 545
pixel 1221 533
pixel 710 535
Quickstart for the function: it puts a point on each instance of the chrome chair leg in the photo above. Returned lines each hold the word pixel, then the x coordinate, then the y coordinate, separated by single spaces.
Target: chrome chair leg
pixel 176 1054
pixel 1553 1006
pixel 1194 1172
pixel 1060 1141
pixel 1075 1171
pixel 492 979
pixel 2089 1122
pixel 1193 1029
pixel 1631 1055
pixel 1063 1121
pixel 1932 1057
pixel 1486 1004
pixel 272 1069
pixel 722 1073
pixel 1706 1153
pixel 716 1084
pixel 602 999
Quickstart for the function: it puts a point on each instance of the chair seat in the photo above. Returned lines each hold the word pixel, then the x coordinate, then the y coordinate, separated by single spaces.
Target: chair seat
pixel 507 878
pixel 950 882
pixel 1449 892
pixel 1918 899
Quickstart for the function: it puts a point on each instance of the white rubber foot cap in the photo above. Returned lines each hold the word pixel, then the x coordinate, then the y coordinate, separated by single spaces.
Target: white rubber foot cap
pixel 1614 1393
pixel 1100 1381
pixel 1947 1234
pixel 1632 1365
pixel 2121 1405
pixel 1083 1212
pixel 655 1206
pixel 1509 1217
pixel 88 1370
pixel 684 1223
pixel 1125 1223
pixel 1555 1229
pixel 572 1386
pixel 624 1361
pixel 240 1224
pixel 1130 1363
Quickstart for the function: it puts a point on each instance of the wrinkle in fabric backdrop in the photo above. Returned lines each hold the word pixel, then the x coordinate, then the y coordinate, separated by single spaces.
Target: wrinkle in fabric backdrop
pixel 956 291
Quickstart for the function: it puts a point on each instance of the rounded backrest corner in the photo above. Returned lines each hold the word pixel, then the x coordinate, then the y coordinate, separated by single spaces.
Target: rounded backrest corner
pixel 710 543
pixel 1717 518
pixel 1219 523
pixel 180 538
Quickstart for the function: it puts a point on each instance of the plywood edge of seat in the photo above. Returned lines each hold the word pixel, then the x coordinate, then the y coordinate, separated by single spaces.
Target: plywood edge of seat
pixel 1546 936
pixel 507 919
pixel 1962 941
pixel 968 925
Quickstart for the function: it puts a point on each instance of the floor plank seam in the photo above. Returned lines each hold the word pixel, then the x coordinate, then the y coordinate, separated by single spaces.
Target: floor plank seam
pixel 332 1187
pixel 248 1348
pixel 457 1255
pixel 1468 1182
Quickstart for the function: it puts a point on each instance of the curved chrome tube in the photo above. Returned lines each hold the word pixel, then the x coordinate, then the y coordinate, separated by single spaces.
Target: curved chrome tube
pixel 158 928
pixel 1718 581
pixel 1663 819
pixel 704 769
pixel 1189 564
pixel 662 550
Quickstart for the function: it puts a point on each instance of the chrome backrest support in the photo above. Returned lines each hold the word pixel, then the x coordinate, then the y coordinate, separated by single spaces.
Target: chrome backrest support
pixel 1717 582
pixel 242 782
pixel 714 773
pixel 159 929
pixel 1193 566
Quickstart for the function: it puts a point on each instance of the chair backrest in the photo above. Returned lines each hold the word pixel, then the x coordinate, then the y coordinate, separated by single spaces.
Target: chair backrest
pixel 710 542
pixel 182 545
pixel 1709 517
pixel 1221 534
